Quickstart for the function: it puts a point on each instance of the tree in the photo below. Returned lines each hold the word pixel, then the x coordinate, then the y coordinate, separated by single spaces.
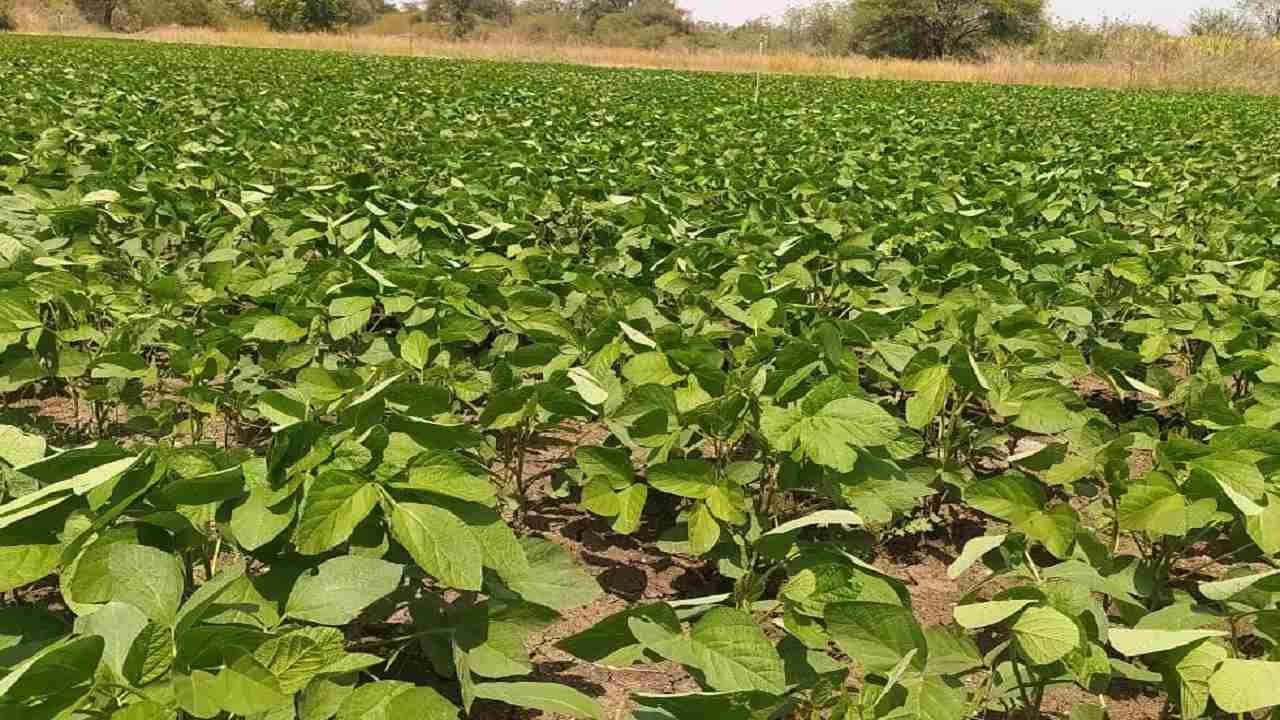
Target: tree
pixel 1219 21
pixel 1266 13
pixel 647 23
pixel 313 15
pixel 926 29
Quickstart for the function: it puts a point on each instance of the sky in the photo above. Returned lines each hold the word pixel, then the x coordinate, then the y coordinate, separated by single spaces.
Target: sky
pixel 1171 14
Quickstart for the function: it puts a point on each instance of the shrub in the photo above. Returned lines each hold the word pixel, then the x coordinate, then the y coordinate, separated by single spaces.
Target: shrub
pixel 6 15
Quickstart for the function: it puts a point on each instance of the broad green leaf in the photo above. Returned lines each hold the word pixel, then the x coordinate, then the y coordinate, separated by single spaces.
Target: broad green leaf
pixel 612 465
pixel 553 579
pixel 630 508
pixel 548 697
pixel 373 701
pixel 150 580
pixel 1186 673
pixel 980 615
pixel 19 448
pixel 1045 635
pixel 277 328
pixel 1143 642
pixel 452 475
pixel 704 531
pixel 932 386
pixel 1010 497
pixel 876 635
pixel 421 703
pixel 439 543
pixel 245 687
pixel 685 478
pixel 1238 476
pixel 334 505
pixel 1226 589
pixel 734 653
pixel 1046 416
pixel 340 588
pixel 611 642
pixel 1240 686
pixel 52 681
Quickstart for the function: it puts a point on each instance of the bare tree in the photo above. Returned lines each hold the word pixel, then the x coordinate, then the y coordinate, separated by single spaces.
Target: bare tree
pixel 1266 13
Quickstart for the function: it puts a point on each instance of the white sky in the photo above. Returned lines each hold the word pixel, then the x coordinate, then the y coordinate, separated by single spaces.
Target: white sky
pixel 1172 14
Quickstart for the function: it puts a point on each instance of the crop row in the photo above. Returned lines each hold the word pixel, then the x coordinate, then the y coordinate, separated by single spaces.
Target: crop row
pixel 285 339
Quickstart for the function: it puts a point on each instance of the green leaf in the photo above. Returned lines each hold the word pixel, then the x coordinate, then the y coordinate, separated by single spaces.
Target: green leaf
pixel 1010 497
pixel 118 625
pixel 149 579
pixel 610 464
pixel 972 552
pixel 1156 507
pixel 1045 635
pixel 686 478
pixel 818 517
pixel 1240 686
pixel 1264 528
pixel 421 703
pixel 340 588
pixel 726 645
pixel 704 531
pixel 553 579
pixel 1143 642
pixel 650 368
pixel 548 697
pixel 630 508
pixel 1238 475
pixel 591 390
pixel 1055 529
pixel 932 386
pixel 610 641
pixel 51 681
pixel 1046 416
pixel 832 435
pixel 452 475
pixel 877 635
pixel 416 349
pixel 1230 587
pixel 25 630
pixel 88 471
pixel 19 448
pixel 335 504
pixel 439 543
pixel 734 653
pixel 373 701
pixel 322 697
pixel 245 687
pixel 277 328
pixel 202 600
pixel 261 518
pixel 980 615
pixel 1187 672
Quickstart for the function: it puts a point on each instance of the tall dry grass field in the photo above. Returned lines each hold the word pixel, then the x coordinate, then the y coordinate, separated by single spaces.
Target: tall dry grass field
pixel 1128 60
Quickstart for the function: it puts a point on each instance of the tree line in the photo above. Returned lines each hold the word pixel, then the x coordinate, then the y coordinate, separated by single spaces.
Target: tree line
pixel 919 29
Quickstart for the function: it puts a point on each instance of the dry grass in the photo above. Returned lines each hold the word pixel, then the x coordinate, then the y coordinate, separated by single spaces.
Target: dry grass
pixel 1237 65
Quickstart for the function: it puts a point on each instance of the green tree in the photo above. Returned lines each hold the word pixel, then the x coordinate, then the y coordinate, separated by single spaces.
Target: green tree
pixel 314 15
pixel 647 23
pixel 925 29
pixel 463 15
